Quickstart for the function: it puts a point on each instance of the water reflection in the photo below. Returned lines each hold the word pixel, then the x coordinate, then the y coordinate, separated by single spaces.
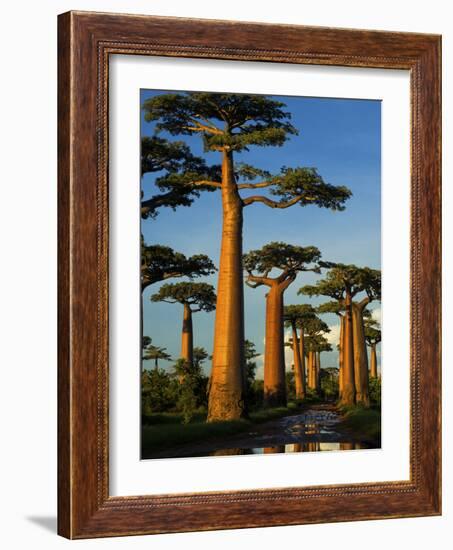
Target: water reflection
pixel 307 447
pixel 309 432
pixel 316 430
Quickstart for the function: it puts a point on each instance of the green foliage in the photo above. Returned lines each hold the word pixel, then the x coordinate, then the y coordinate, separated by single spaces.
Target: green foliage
pixel 199 357
pixel 151 352
pixel 290 385
pixel 310 187
pixel 159 263
pixel 317 342
pixel 187 395
pixel 341 278
pixel 180 170
pixel 232 123
pixel 156 438
pixel 374 390
pixel 372 331
pixel 328 307
pixel 363 422
pixel 159 391
pixel 329 384
pixel 250 354
pixel 201 295
pixel 286 257
pixel 248 172
pixel 192 392
pixel 235 121
pixel 298 313
pixel 146 341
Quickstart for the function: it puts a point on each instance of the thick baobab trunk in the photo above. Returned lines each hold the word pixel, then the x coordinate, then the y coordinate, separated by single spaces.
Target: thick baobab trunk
pixel 318 370
pixel 187 336
pixel 348 393
pixel 302 359
pixel 274 354
pixel 226 394
pixel 340 355
pixel 373 362
pixel 360 355
pixel 298 374
pixel 311 366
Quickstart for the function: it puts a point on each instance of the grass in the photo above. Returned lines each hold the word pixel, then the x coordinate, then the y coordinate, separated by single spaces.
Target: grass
pixel 363 422
pixel 163 430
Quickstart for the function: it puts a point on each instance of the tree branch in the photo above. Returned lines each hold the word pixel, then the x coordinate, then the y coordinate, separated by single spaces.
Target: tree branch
pixel 255 185
pixel 208 122
pixel 206 182
pixel 269 202
pixel 257 280
pixel 364 302
pixel 203 128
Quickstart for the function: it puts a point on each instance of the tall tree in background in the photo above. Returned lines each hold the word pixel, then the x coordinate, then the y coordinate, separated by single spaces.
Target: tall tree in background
pixel 343 282
pixel 373 337
pixel 289 260
pixel 314 330
pixel 154 353
pixel 297 316
pixel 193 297
pixel 230 124
pixel 159 263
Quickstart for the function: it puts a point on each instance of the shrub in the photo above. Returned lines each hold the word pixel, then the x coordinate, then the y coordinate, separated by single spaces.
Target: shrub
pixel 375 391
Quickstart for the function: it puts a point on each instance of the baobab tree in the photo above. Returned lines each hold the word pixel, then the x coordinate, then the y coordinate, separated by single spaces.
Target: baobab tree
pixel 373 337
pixel 289 260
pixel 159 263
pixel 343 282
pixel 170 159
pixel 229 124
pixel 193 297
pixel 296 316
pixel 314 330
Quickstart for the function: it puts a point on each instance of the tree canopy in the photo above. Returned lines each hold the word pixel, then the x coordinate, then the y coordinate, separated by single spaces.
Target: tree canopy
pixel 162 262
pixel 152 352
pixel 287 258
pixel 234 122
pixel 199 296
pixel 317 342
pixel 342 279
pixel 372 331
pixel 178 168
pixel 300 315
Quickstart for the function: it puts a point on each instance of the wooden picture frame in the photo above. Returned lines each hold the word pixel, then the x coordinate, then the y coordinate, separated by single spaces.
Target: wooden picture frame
pixel 85 42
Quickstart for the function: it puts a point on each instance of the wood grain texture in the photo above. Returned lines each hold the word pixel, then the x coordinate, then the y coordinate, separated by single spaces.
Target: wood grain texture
pixel 85 42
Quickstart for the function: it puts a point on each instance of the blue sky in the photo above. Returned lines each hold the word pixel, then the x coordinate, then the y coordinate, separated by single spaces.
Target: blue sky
pixel 342 139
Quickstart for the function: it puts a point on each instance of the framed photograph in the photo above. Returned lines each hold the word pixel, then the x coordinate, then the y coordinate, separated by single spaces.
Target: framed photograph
pixel 249 275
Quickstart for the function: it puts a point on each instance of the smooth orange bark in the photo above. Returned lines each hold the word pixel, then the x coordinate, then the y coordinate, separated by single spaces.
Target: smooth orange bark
pixel 348 393
pixel 373 362
pixel 274 354
pixel 226 393
pixel 302 359
pixel 340 355
pixel 360 354
pixel 187 336
pixel 299 378
pixel 311 366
